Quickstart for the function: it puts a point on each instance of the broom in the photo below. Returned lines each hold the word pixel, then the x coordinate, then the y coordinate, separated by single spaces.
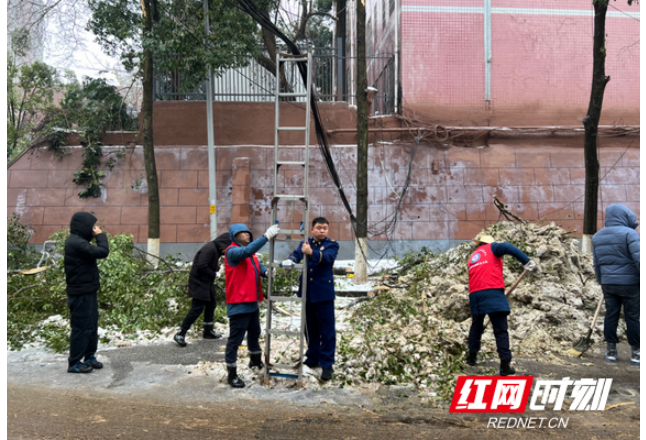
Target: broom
pixel 584 344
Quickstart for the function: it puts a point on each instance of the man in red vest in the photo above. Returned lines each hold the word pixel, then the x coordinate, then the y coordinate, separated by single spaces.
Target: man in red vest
pixel 243 292
pixel 487 296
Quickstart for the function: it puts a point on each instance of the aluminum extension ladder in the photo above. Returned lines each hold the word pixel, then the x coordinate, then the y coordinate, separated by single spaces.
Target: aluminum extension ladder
pixel 283 59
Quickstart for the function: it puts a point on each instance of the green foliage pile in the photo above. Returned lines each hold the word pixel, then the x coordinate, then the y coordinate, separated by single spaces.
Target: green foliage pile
pixel 394 342
pixel 133 296
pixel 20 254
pixel 416 332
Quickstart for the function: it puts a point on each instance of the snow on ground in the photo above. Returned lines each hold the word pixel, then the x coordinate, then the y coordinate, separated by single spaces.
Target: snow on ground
pixel 284 349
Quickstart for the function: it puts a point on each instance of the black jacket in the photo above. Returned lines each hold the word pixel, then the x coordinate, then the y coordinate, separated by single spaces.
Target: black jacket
pixel 81 270
pixel 205 266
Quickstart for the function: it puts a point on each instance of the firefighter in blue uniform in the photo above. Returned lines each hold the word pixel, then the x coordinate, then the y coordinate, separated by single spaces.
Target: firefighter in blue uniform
pixel 319 252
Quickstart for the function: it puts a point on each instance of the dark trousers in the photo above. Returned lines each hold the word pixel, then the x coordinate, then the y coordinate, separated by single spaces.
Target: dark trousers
pixel 321 333
pixel 615 296
pixel 84 320
pixel 239 325
pixel 499 324
pixel 197 306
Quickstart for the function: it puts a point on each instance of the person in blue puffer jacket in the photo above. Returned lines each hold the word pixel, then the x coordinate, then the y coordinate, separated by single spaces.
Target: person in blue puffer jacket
pixel 616 267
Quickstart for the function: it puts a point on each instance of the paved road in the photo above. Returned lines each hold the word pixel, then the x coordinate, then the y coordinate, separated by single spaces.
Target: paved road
pixel 146 392
pixel 44 413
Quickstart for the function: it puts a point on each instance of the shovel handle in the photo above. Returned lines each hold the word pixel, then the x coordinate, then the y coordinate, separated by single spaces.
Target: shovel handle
pixel 596 314
pixel 513 286
pixel 511 289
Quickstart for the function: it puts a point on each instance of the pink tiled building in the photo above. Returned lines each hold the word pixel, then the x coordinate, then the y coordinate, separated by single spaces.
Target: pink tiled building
pixel 511 62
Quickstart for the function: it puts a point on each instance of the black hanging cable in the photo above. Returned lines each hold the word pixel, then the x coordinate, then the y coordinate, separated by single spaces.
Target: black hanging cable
pixel 390 221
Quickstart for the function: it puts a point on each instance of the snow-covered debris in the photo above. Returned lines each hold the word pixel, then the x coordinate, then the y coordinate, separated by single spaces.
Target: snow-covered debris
pixel 418 330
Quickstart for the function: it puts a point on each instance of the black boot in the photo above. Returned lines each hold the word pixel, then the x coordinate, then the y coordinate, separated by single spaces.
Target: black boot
pixel 327 374
pixel 505 368
pixel 179 337
pixel 80 367
pixel 234 380
pixel 471 358
pixel 256 361
pixel 209 333
pixel 92 362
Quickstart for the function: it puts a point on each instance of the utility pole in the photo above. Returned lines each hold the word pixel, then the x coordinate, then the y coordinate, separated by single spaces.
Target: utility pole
pixel 213 216
pixel 591 124
pixel 148 144
pixel 361 248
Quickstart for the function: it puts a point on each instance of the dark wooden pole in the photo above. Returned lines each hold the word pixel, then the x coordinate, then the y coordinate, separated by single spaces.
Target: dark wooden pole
pixel 591 124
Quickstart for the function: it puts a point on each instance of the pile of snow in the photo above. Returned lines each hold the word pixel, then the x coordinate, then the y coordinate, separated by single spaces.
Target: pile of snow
pixel 418 330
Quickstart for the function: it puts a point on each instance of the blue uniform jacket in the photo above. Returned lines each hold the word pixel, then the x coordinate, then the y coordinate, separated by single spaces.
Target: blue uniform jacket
pixel 616 248
pixel 320 279
pixel 488 301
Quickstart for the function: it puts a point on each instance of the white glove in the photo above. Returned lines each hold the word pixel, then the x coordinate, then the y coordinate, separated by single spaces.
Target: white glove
pixel 530 266
pixel 272 271
pixel 288 265
pixel 272 232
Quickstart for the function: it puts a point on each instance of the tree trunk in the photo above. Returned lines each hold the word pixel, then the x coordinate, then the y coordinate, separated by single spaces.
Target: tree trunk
pixel 149 146
pixel 360 268
pixel 591 124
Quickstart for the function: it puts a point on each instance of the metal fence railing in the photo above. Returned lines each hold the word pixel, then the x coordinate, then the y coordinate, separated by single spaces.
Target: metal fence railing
pixel 254 83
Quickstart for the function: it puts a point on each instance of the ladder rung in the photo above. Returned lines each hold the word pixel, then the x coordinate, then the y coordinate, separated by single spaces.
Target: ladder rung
pixel 286 376
pixel 288 197
pixel 285 366
pixel 284 332
pixel 277 264
pixel 291 128
pixel 291 57
pixel 290 163
pixel 285 299
pixel 293 94
pixel 292 232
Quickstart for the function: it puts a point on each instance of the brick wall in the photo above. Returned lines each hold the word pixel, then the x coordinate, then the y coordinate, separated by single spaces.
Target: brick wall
pixel 538 179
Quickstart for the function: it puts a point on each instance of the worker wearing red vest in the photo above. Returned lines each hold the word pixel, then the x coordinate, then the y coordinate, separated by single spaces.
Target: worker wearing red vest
pixel 487 296
pixel 243 292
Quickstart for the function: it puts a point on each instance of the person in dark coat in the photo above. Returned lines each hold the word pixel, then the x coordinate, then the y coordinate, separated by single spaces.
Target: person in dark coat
pixel 487 296
pixel 319 253
pixel 201 289
pixel 616 267
pixel 242 272
pixel 82 277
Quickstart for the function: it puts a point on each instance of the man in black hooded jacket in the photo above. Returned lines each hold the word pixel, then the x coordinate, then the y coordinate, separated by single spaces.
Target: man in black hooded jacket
pixel 201 288
pixel 82 276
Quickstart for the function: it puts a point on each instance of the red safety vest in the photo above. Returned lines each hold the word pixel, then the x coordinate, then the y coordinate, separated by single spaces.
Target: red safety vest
pixel 241 280
pixel 485 270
